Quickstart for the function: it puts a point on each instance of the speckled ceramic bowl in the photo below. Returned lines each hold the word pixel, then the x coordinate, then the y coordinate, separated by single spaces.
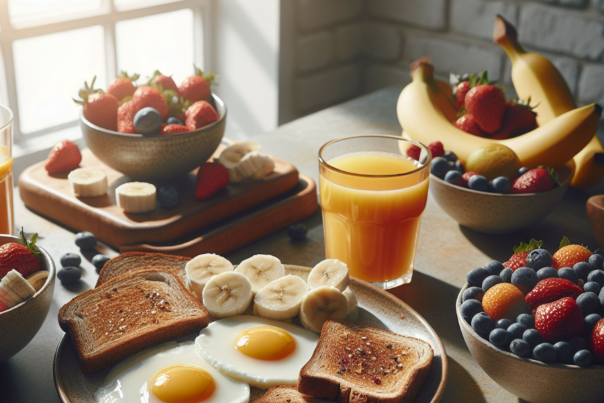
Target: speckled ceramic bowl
pixel 496 213
pixel 159 157
pixel 532 380
pixel 20 324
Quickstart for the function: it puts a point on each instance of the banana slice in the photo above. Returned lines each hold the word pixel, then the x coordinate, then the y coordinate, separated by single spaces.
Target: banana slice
pixel 15 281
pixel 202 268
pixel 136 197
pixel 227 294
pixel 37 279
pixel 330 273
pixel 321 304
pixel 88 182
pixel 230 156
pixel 353 307
pixel 261 270
pixel 281 298
pixel 255 164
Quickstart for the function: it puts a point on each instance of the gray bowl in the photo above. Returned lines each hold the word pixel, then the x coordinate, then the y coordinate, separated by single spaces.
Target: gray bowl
pixel 529 379
pixel 155 158
pixel 19 324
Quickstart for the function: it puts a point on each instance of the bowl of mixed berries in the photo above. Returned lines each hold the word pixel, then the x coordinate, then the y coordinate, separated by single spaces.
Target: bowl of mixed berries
pixel 154 130
pixel 535 323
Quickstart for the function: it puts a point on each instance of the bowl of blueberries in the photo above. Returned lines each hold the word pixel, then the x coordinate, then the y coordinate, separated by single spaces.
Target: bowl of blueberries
pixel 535 327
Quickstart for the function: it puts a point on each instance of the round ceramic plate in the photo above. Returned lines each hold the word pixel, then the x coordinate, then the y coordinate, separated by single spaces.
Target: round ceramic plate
pixel 377 309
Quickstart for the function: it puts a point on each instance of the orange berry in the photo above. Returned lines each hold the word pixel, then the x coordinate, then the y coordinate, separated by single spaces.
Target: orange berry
pixel 504 300
pixel 570 255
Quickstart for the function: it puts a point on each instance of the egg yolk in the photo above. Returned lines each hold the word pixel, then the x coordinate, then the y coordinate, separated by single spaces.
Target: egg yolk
pixel 182 384
pixel 265 343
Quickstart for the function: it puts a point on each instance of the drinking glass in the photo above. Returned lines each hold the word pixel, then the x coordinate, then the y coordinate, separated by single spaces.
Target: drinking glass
pixel 7 223
pixel 372 197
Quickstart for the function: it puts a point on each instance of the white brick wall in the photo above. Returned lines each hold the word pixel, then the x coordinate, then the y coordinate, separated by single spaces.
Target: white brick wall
pixel 328 87
pixel 591 88
pixel 313 14
pixel 315 51
pixel 422 13
pixel 475 17
pixel 382 75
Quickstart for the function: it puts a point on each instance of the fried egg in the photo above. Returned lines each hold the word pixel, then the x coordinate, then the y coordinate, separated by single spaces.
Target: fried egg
pixel 261 352
pixel 169 373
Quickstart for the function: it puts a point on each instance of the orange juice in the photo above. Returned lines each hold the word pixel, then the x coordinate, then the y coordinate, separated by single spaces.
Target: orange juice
pixel 371 213
pixel 6 192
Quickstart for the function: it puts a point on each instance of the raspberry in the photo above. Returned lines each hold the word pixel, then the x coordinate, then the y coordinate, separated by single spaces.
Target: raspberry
pixel 437 149
pixel 504 300
pixel 414 152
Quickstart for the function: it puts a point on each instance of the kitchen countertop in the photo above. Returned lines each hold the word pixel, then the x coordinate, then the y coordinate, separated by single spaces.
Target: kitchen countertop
pixel 445 253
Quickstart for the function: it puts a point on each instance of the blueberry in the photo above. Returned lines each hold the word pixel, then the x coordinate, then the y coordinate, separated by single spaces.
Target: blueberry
pixel 596 261
pixel 592 286
pixel 527 320
pixel 500 338
pixel 297 232
pixel 494 267
pixel 583 269
pixel 547 272
pixel 525 279
pixel 601 297
pixel 522 171
pixel 450 156
pixel 545 352
pixel 482 324
pixel 167 197
pixel 69 275
pixel 503 323
pixel 472 293
pixel 582 358
pixel 459 167
pixel 517 330
pixel 147 121
pixel 478 182
pixel 520 347
pixel 475 277
pixel 590 322
pixel 174 121
pixel 71 259
pixel 538 259
pixel 589 303
pixel 597 276
pixel 440 166
pixel 85 240
pixel 501 184
pixel 564 352
pixel 578 343
pixel 470 308
pixel 506 275
pixel 98 261
pixel 532 337
pixel 490 282
pixel 453 177
pixel 568 274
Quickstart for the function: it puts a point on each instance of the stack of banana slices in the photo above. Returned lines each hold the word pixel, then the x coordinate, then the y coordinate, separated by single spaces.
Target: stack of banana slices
pixel 228 291
pixel 14 289
pixel 244 160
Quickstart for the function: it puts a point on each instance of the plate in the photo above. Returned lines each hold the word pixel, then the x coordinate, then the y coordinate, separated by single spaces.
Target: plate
pixel 377 308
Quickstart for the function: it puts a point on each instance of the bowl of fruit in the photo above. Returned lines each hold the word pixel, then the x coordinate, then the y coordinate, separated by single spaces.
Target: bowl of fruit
pixel 27 277
pixel 153 131
pixel 534 323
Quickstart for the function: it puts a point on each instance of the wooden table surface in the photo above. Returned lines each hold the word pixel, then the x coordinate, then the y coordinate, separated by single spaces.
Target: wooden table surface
pixel 446 252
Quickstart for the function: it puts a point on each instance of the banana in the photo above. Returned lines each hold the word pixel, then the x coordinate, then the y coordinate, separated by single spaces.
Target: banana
pixel 88 182
pixel 281 298
pixel 230 156
pixel 589 165
pixel 37 279
pixel 136 197
pixel 202 268
pixel 255 165
pixel 227 294
pixel 353 306
pixel 15 281
pixel 330 273
pixel 261 270
pixel 552 144
pixel 321 304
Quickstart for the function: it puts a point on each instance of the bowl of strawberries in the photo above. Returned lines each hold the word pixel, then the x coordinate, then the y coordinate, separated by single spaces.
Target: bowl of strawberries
pixel 155 130
pixel 535 322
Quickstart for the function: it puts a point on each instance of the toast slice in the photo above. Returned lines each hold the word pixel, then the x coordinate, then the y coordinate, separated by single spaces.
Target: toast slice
pixel 355 363
pixel 131 261
pixel 289 394
pixel 128 314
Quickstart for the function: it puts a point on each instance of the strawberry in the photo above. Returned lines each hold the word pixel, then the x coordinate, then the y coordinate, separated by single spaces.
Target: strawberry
pixel 122 86
pixel 559 320
pixel 466 176
pixel 468 124
pixel 487 104
pixel 200 114
pixel 518 119
pixel 521 251
pixel 173 128
pixel 165 82
pixel 463 83
pixel 414 152
pixel 99 108
pixel 550 290
pixel 211 178
pixel 596 341
pixel 64 156
pixel 22 256
pixel 125 117
pixel 197 87
pixel 147 96
pixel 569 255
pixel 437 149
pixel 535 180
pixel 460 93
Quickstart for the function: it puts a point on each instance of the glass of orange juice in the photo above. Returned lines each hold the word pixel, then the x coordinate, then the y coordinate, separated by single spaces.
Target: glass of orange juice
pixel 372 198
pixel 7 223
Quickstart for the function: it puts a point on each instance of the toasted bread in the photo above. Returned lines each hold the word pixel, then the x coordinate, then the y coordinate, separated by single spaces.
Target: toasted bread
pixel 289 394
pixel 128 314
pixel 131 261
pixel 343 364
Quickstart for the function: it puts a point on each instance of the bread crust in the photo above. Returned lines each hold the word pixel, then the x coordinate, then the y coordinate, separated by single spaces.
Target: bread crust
pixel 289 394
pixel 131 261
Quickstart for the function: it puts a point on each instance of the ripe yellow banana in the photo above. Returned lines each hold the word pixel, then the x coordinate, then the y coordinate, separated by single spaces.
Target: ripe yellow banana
pixel 440 91
pixel 590 165
pixel 552 144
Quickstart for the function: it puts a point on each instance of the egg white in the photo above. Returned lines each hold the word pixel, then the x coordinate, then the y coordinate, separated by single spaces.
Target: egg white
pixel 127 381
pixel 216 344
